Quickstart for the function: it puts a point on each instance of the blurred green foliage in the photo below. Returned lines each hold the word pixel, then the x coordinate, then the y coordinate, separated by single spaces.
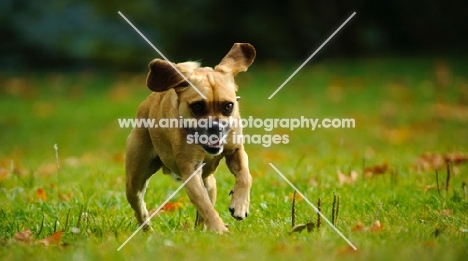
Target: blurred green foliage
pixel 90 34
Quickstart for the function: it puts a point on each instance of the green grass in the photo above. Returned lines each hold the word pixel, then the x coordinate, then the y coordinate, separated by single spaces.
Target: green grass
pixel 402 107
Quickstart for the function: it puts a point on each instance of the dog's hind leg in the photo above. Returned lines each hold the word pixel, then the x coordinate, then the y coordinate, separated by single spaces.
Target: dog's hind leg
pixel 141 163
pixel 210 186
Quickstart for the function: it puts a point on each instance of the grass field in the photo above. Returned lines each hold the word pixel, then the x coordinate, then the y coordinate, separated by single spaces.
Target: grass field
pixel 410 115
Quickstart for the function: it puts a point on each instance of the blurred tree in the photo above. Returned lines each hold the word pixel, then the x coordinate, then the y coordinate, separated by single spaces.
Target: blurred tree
pixel 90 34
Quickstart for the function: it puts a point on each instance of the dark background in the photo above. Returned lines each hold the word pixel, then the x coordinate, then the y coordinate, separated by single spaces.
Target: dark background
pixel 79 35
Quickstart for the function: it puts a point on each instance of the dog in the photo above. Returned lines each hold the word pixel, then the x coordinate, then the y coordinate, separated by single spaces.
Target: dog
pixel 176 95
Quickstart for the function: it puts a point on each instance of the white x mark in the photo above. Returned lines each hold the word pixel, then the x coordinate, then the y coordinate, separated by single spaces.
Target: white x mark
pixel 310 57
pixel 161 206
pixel 312 205
pixel 162 55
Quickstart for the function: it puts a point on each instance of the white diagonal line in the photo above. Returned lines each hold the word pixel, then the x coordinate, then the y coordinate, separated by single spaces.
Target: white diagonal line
pixel 312 205
pixel 310 57
pixel 162 55
pixel 161 206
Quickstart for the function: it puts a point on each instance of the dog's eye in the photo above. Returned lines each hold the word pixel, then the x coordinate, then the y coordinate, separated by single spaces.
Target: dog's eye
pixel 198 108
pixel 228 107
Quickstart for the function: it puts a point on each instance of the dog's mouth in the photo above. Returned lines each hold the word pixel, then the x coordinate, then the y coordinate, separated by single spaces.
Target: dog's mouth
pixel 214 148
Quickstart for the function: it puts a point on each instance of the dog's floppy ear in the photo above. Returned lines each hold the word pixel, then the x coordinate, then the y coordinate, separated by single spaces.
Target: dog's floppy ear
pixel 238 59
pixel 162 76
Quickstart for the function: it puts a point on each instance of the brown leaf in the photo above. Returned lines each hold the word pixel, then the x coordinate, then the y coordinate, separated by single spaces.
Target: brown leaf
pixel 171 206
pixel 24 236
pixel 456 158
pixel 376 169
pixel 431 161
pixel 41 194
pixel 54 239
pixel 347 179
pixel 376 227
pixel 359 227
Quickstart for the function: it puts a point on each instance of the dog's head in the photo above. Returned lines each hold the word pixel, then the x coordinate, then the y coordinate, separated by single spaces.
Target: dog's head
pixel 216 85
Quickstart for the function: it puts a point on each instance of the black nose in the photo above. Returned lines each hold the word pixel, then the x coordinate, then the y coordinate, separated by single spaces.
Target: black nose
pixel 215 128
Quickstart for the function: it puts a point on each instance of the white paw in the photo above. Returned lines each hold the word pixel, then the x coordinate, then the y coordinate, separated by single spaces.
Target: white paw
pixel 240 201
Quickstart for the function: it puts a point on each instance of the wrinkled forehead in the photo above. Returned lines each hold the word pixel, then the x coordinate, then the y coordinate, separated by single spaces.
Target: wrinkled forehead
pixel 210 80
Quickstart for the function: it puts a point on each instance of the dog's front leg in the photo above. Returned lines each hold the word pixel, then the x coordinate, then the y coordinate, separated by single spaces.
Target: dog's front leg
pixel 200 199
pixel 210 186
pixel 238 164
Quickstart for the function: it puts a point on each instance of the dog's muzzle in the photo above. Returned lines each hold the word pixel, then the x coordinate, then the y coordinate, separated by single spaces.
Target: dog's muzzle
pixel 215 139
pixel 211 138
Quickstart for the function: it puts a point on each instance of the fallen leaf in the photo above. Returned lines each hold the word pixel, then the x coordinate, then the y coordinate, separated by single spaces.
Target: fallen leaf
pixel 456 158
pixel 54 239
pixel 41 194
pixel 24 236
pixel 431 161
pixel 376 226
pixel 347 179
pixel 171 206
pixel 376 169
pixel 359 227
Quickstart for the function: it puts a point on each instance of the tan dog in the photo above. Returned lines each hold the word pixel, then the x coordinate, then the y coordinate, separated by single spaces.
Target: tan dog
pixel 150 149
